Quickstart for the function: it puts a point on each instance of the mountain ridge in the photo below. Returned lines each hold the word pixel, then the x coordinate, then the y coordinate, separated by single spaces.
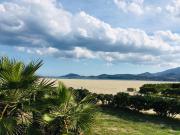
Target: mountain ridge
pixel 167 75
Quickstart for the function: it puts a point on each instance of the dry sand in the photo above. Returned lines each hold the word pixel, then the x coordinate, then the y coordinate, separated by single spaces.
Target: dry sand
pixel 105 86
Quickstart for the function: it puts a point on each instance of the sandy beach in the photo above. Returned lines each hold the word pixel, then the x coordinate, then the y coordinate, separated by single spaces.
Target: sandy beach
pixel 106 86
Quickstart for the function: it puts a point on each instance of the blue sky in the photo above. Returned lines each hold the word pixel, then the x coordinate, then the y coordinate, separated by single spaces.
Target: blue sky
pixel 92 37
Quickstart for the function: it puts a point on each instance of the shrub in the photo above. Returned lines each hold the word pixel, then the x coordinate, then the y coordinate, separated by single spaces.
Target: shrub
pixel 131 89
pixel 171 92
pixel 174 107
pixel 108 98
pixel 139 103
pixel 100 97
pixel 121 100
pixel 148 90
pixel 81 93
pixel 175 85
pixel 161 106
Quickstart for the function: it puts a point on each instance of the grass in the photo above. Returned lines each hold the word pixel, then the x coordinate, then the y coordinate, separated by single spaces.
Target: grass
pixel 126 122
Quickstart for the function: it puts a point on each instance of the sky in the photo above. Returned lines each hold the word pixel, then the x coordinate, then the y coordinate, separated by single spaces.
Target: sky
pixel 91 37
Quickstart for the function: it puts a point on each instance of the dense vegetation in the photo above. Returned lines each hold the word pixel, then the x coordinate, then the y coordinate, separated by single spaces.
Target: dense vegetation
pixel 30 105
pixel 169 89
pixel 161 98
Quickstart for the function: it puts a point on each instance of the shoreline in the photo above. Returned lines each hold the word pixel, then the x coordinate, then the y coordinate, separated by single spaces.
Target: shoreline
pixel 110 79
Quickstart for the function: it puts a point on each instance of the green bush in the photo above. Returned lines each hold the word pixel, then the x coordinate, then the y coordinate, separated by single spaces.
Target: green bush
pixel 161 89
pixel 121 100
pixel 148 90
pixel 171 92
pixel 175 85
pixel 139 103
pixel 162 106
pixel 108 98
pixel 81 93
pixel 174 108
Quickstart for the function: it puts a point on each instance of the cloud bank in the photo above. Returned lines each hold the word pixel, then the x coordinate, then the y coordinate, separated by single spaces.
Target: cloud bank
pixel 43 27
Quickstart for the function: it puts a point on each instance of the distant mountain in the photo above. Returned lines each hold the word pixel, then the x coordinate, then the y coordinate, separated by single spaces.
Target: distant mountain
pixel 170 74
pixel 71 75
pixel 145 74
pixel 167 75
pixel 175 71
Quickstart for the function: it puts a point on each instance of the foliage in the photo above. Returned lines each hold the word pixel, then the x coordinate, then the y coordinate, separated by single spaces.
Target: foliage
pixel 68 116
pixel 81 93
pixel 163 106
pixel 32 105
pixel 154 88
pixel 148 90
pixel 121 100
pixel 171 92
pixel 169 89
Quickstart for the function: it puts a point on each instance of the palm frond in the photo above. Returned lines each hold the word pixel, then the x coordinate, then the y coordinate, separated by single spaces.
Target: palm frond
pixel 7 126
pixel 32 67
pixel 15 74
pixel 64 94
pixel 45 83
pixel 28 102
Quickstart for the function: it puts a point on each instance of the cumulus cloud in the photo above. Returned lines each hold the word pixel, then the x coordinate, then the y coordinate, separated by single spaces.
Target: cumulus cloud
pixel 77 52
pixel 169 60
pixel 170 9
pixel 174 8
pixel 43 27
pixel 168 36
pixel 136 7
pixel 39 51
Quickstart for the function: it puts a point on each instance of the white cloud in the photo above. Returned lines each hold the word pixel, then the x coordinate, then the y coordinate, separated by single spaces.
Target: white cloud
pixel 39 51
pixel 77 52
pixel 83 53
pixel 99 33
pixel 168 9
pixel 174 8
pixel 168 60
pixel 137 7
pixel 173 38
pixel 43 27
pixel 2 9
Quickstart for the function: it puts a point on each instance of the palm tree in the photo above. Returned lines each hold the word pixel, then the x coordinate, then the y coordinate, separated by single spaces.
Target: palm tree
pixel 69 116
pixel 16 83
pixel 16 75
pixel 31 105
